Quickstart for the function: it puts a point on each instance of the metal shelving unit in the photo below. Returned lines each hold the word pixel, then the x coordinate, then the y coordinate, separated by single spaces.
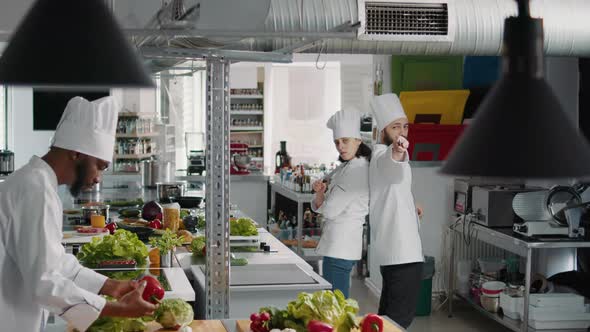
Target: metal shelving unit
pixel 247 112
pixel 505 239
pixel 300 198
pixel 253 129
pixel 133 156
pixel 143 135
pixel 247 96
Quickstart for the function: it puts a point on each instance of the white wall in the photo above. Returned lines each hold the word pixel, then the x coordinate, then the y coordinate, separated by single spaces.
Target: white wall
pixel 25 142
pixel 303 99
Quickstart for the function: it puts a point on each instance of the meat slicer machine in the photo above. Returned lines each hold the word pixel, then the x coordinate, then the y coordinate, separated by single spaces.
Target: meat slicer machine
pixel 551 212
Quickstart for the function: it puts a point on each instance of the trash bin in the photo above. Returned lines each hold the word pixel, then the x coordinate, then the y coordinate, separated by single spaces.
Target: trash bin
pixel 424 305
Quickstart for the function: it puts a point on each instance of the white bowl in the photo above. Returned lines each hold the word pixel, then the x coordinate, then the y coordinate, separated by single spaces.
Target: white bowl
pixel 493 288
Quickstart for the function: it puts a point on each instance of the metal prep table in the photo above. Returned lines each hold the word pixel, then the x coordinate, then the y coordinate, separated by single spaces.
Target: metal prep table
pixel 506 239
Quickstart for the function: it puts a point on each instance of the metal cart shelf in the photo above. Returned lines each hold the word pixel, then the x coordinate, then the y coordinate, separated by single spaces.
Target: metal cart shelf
pixel 506 239
pixel 300 199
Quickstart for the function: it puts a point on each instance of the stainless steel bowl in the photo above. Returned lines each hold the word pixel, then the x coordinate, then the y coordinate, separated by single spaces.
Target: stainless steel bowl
pixel 242 161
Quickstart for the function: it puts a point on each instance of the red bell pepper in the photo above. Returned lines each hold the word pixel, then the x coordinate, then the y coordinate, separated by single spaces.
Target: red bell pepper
pixel 372 323
pixel 112 227
pixel 153 292
pixel 156 224
pixel 317 326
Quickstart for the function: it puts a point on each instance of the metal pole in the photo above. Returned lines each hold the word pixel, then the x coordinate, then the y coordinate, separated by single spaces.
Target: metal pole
pixel 217 193
pixel 451 280
pixel 527 290
pixel 299 226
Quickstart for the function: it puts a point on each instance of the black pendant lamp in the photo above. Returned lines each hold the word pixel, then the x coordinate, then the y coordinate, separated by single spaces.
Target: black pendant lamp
pixel 71 43
pixel 520 129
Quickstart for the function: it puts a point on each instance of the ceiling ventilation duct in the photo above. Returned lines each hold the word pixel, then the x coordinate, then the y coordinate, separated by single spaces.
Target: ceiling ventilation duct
pixel 417 27
pixel 395 21
pixel 473 27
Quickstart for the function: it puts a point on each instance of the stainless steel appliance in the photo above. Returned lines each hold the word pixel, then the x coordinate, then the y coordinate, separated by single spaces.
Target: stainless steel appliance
pixel 463 190
pixel 170 191
pixel 6 162
pixel 574 215
pixel 543 212
pixel 148 179
pixel 492 205
pixel 196 163
pixel 195 144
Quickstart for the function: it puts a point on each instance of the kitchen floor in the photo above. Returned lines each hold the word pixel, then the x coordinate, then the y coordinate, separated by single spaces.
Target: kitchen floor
pixel 465 319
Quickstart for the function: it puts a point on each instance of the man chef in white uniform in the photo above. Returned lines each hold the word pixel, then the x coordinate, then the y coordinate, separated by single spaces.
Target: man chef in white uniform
pixel 393 215
pixel 36 274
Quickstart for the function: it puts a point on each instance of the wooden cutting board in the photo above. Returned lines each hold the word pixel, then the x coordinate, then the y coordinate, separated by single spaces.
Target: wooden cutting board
pixel 196 326
pixel 244 326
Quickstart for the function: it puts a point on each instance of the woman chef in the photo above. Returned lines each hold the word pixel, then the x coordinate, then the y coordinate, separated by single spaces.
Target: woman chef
pixel 36 274
pixel 393 214
pixel 344 202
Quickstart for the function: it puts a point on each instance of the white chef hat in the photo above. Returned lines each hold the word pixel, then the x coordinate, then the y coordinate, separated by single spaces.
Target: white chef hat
pixel 88 127
pixel 346 123
pixel 386 109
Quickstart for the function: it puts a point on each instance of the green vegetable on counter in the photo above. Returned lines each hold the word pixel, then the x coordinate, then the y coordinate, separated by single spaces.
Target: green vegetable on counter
pixel 117 324
pixel 238 261
pixel 242 227
pixel 174 313
pixel 245 249
pixel 197 245
pixel 201 224
pixel 184 213
pixel 168 241
pixel 121 245
pixel 324 306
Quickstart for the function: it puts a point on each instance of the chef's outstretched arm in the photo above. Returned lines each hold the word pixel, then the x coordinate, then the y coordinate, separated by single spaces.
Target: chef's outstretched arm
pixel 391 161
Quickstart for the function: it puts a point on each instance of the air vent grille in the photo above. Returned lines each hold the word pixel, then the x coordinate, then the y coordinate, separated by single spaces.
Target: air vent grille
pixel 430 19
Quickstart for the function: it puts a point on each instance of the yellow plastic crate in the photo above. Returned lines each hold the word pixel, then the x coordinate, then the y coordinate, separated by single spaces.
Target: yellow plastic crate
pixel 440 106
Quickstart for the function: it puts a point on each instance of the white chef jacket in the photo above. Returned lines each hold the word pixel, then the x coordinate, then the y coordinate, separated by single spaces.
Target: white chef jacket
pixel 395 230
pixel 344 209
pixel 35 272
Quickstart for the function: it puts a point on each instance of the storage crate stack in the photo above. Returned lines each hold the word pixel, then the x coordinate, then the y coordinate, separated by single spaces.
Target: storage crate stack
pixel 434 94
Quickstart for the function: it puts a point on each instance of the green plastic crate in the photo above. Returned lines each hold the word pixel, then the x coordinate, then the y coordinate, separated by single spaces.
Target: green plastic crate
pixel 420 73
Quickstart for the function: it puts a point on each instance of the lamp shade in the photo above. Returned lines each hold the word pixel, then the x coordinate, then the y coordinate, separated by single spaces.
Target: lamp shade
pixel 71 43
pixel 520 129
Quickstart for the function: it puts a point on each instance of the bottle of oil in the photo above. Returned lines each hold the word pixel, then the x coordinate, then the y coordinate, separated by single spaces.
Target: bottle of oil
pixel 282 158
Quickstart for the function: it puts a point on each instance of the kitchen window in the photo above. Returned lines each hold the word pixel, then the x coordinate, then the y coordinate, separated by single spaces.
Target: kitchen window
pixel 181 107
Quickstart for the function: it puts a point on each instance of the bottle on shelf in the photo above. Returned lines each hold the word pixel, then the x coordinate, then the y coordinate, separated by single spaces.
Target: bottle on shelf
pixel 282 158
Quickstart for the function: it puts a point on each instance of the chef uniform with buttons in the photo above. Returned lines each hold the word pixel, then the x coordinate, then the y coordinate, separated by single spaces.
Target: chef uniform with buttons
pixel 393 216
pixel 345 202
pixel 36 274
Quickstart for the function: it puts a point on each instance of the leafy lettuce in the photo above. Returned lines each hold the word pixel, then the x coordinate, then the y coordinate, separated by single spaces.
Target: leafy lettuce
pixel 326 306
pixel 242 227
pixel 121 245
